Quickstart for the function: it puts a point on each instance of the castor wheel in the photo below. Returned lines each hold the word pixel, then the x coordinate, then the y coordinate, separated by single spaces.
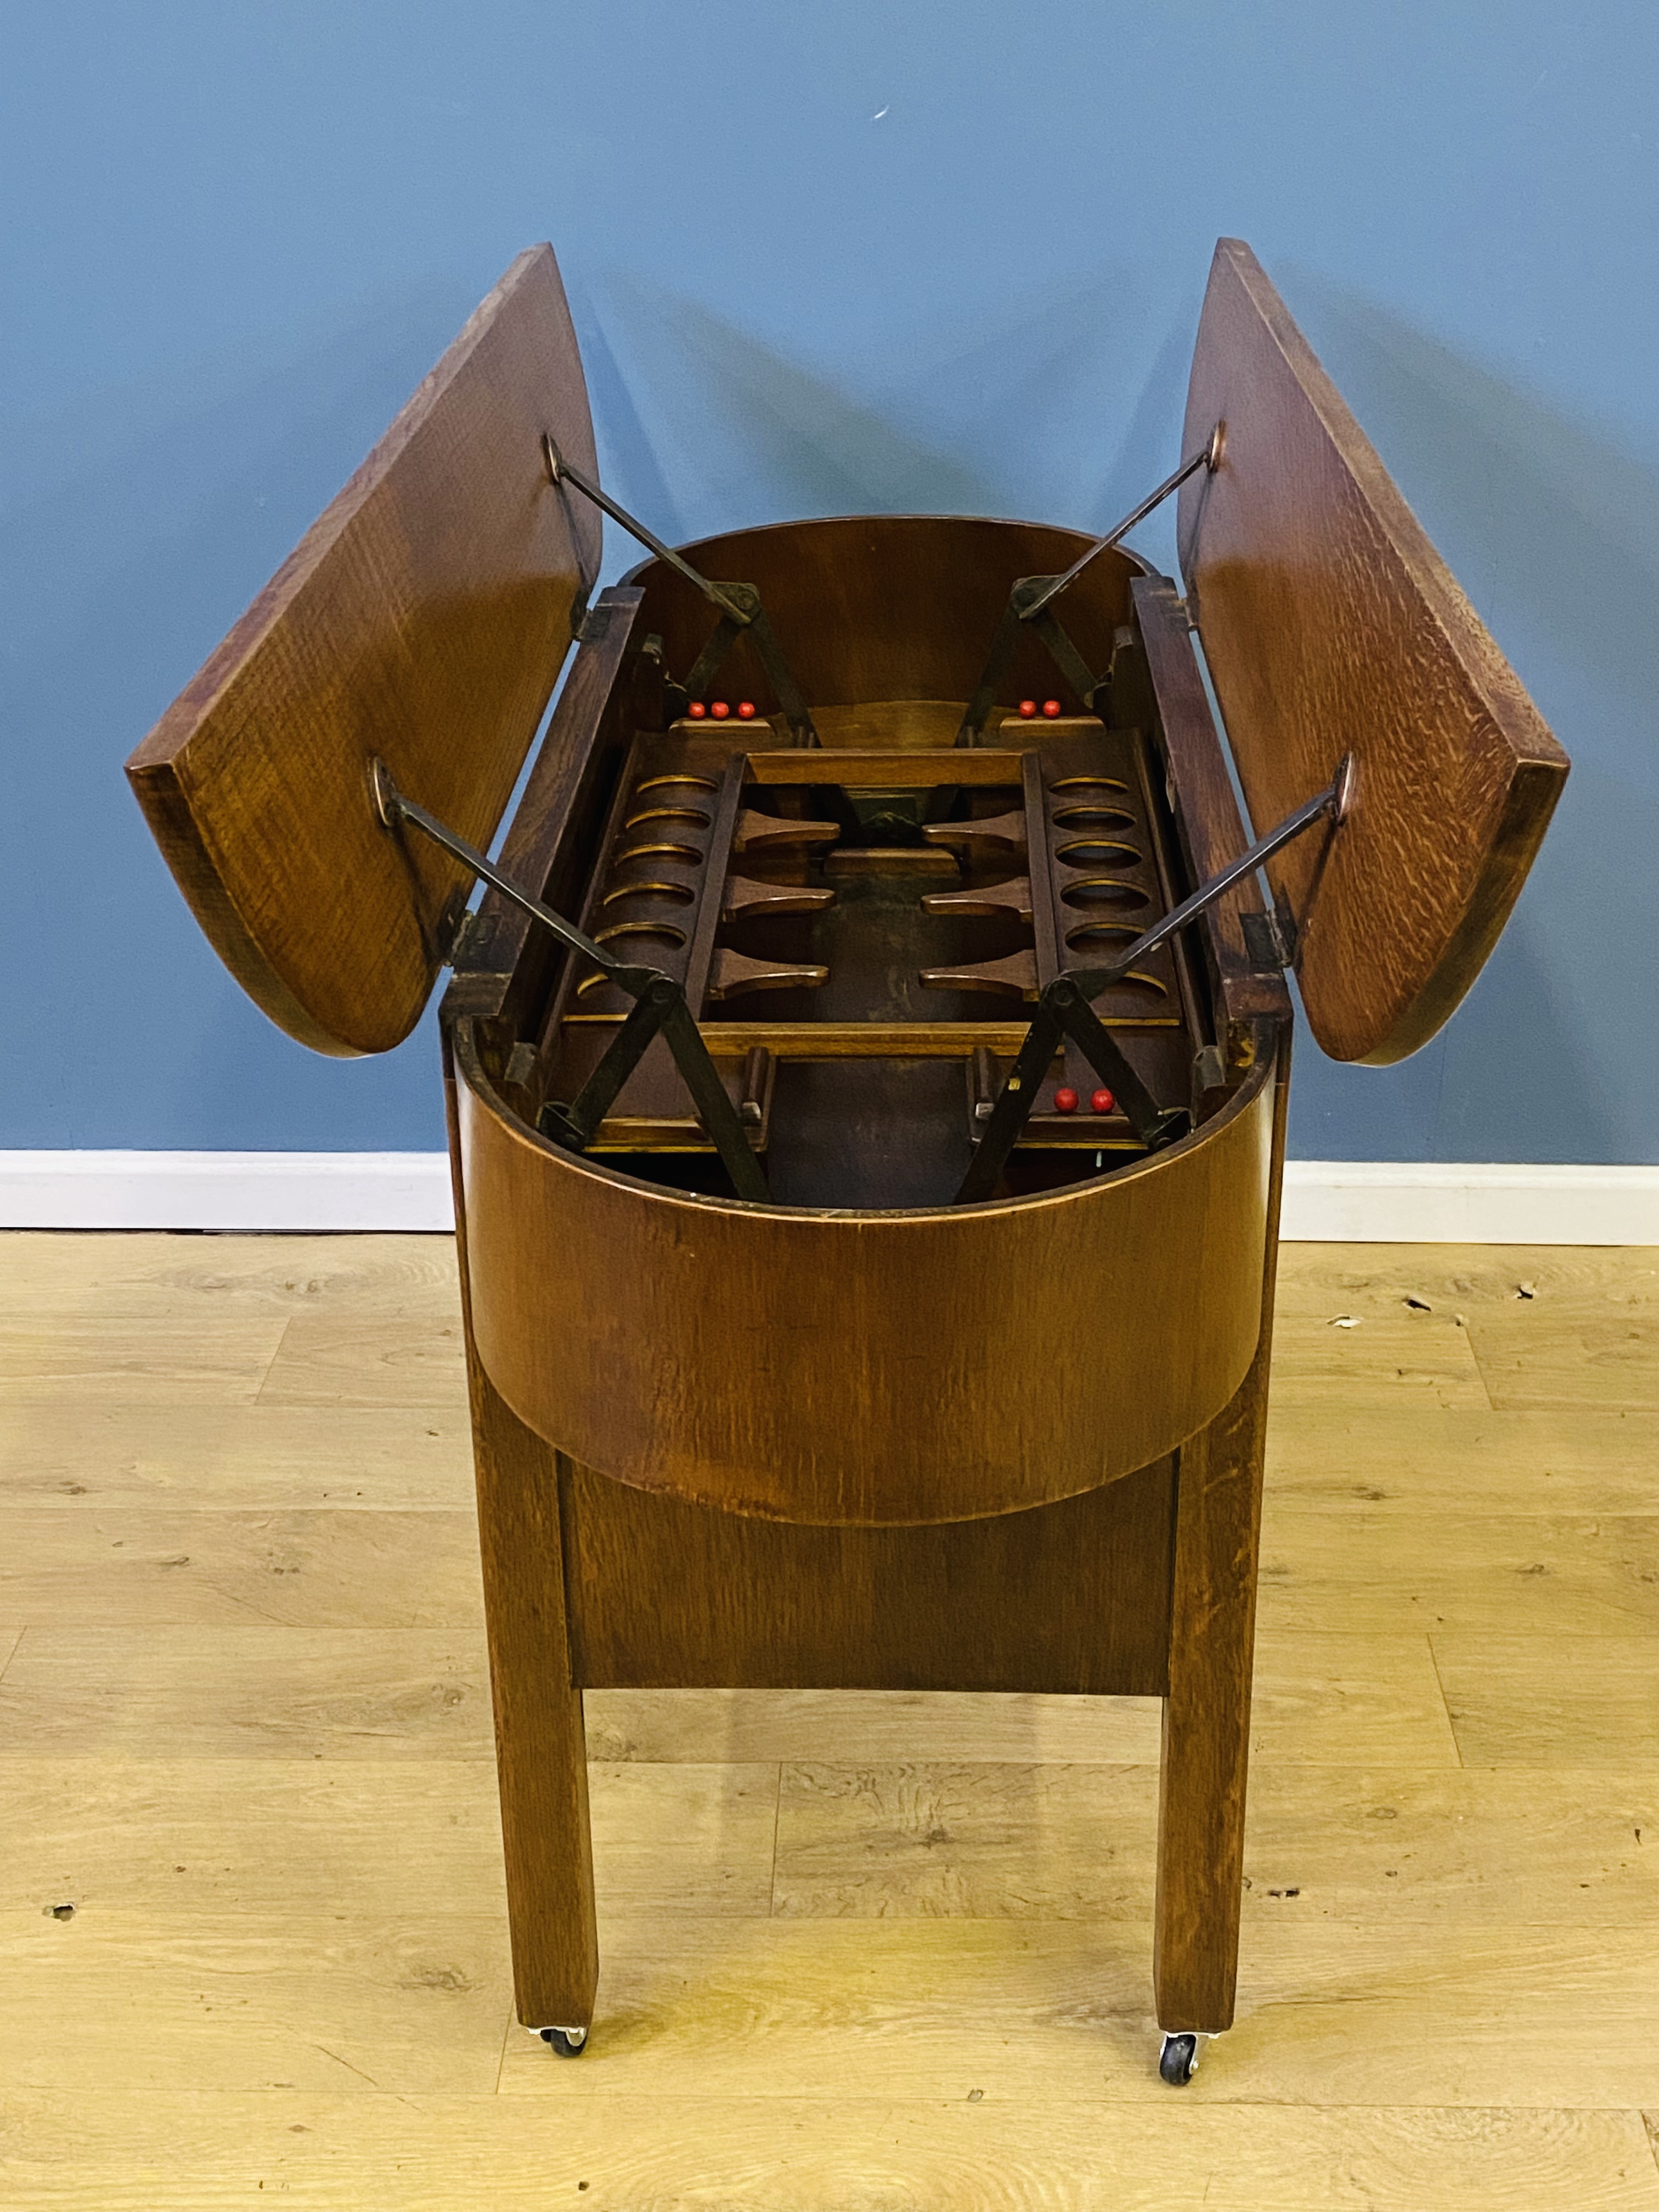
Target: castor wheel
pixel 1178 2059
pixel 569 2042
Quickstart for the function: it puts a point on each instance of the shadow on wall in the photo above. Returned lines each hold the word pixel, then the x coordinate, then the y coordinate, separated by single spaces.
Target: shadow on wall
pixel 145 525
pixel 1554 534
pixel 1065 410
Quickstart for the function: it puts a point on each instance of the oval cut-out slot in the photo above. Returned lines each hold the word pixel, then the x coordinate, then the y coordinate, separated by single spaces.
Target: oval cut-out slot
pixel 688 853
pixel 1104 891
pixel 1093 818
pixel 1085 786
pixel 668 818
pixel 1145 986
pixel 661 933
pixel 684 782
pixel 677 894
pixel 1102 937
pixel 1098 852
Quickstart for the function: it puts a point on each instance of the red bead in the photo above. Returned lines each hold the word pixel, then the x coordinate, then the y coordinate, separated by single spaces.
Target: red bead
pixel 1065 1099
pixel 720 710
pixel 745 710
pixel 1101 1103
pixel 1051 708
pixel 1028 709
pixel 696 710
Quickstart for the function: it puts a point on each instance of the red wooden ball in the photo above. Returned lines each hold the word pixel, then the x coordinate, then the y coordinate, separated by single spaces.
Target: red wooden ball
pixel 1065 1099
pixel 1028 709
pixel 1101 1103
pixel 720 710
pixel 745 710
pixel 1051 708
pixel 696 710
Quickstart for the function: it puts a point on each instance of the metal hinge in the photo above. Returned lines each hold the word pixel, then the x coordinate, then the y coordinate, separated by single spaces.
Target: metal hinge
pixel 1270 939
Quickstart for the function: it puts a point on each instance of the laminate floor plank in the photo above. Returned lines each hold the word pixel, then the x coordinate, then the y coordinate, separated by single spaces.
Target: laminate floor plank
pixel 219 1360
pixel 1543 1574
pixel 1431 1460
pixel 182 1276
pixel 1414 2013
pixel 160 1567
pixel 860 1951
pixel 246 1457
pixel 134 2152
pixel 1054 1842
pixel 378 1360
pixel 247 1692
pixel 1553 1703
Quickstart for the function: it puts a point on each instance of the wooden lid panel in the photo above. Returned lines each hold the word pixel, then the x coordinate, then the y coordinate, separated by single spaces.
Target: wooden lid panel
pixel 1331 625
pixel 423 618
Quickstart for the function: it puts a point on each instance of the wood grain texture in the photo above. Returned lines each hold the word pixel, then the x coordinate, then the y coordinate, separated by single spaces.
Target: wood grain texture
pixel 541 1759
pixel 872 610
pixel 1206 1710
pixel 75 1456
pixel 423 619
pixel 638 1353
pixel 134 2152
pixel 1165 691
pixel 1331 626
pixel 1073 1596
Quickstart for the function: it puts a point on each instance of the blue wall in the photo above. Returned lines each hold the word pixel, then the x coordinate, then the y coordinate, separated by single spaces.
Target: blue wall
pixel 860 255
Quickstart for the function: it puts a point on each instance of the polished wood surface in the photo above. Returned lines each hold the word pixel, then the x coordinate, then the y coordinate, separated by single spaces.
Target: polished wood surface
pixel 864 1368
pixel 541 1758
pixel 247 1735
pixel 1073 1596
pixel 1331 625
pixel 1206 1751
pixel 883 608
pixel 423 619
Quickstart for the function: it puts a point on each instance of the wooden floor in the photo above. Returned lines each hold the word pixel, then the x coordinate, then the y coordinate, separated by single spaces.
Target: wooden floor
pixel 859 1952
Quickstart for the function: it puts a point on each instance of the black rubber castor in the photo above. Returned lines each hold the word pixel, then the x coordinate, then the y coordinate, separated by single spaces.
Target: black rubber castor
pixel 1178 2059
pixel 569 2042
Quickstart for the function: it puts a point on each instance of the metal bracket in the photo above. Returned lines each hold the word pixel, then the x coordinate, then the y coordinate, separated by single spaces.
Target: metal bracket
pixel 738 605
pixel 1065 1007
pixel 659 1007
pixel 1031 597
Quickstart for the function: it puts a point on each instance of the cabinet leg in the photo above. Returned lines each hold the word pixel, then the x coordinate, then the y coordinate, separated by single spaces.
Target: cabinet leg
pixel 541 1754
pixel 1206 1717
pixel 540 1750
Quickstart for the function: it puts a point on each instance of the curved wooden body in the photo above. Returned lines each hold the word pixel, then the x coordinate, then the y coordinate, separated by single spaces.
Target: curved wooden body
pixel 864 1368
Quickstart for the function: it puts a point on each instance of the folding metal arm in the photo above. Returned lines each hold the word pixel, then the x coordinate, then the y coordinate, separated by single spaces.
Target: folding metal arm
pixel 1032 597
pixel 1064 1009
pixel 659 1008
pixel 738 605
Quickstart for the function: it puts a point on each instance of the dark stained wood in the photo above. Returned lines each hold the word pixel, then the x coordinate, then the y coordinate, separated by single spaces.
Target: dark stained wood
pixel 1206 813
pixel 423 619
pixel 1069 1597
pixel 540 1754
pixel 1206 1710
pixel 505 966
pixel 888 608
pixel 1331 625
pixel 844 1366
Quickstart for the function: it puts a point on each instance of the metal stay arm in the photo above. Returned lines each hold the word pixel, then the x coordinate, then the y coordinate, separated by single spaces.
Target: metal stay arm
pixel 738 606
pixel 1031 598
pixel 1065 1010
pixel 660 1007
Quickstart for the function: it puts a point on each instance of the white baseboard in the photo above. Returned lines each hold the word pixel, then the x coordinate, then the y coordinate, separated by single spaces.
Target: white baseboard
pixel 1467 1202
pixel 1326 1202
pixel 226 1190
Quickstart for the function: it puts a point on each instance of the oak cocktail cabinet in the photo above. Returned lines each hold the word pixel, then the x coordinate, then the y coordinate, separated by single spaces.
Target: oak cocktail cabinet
pixel 867 1067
